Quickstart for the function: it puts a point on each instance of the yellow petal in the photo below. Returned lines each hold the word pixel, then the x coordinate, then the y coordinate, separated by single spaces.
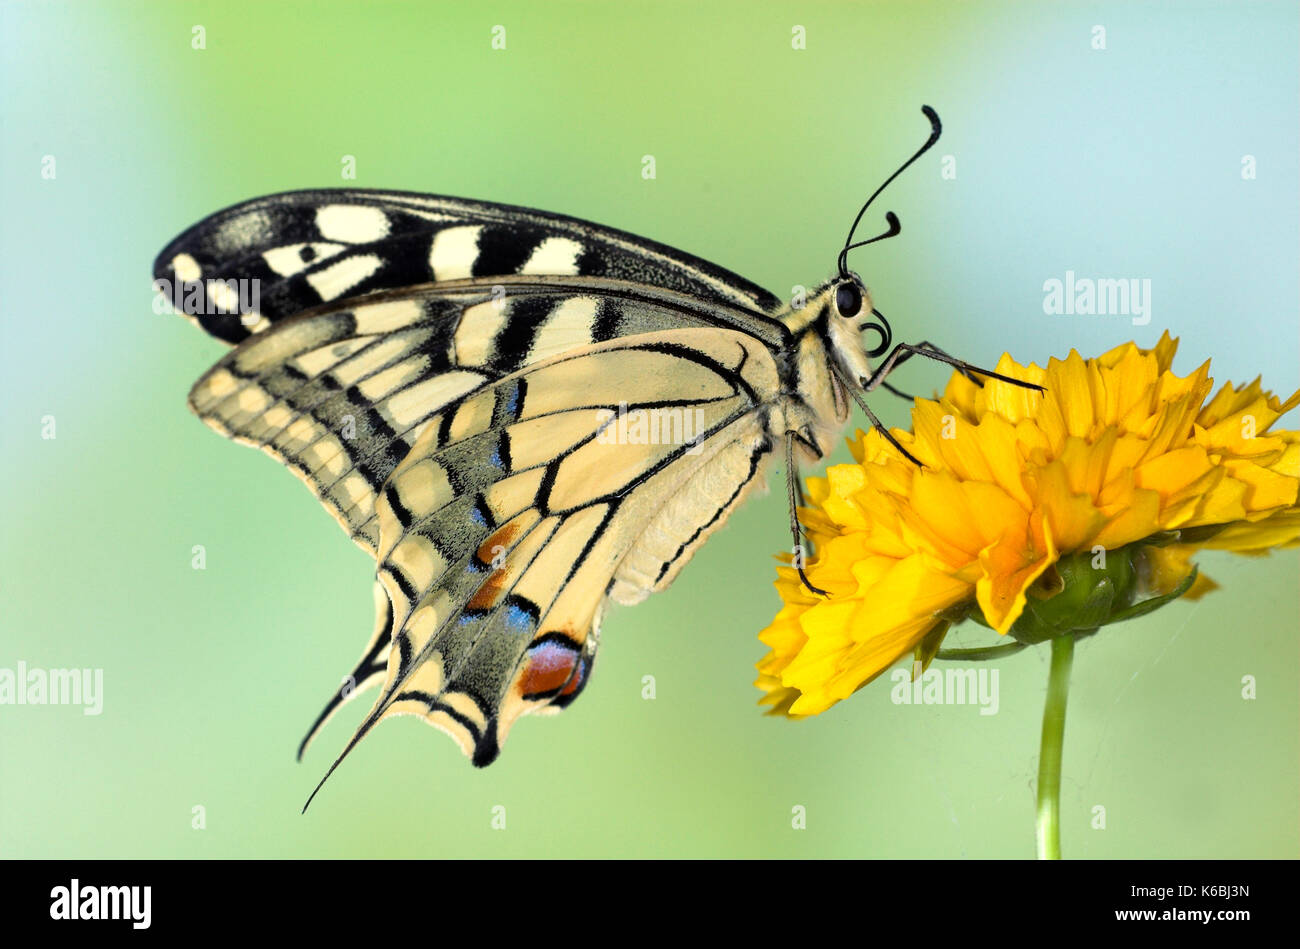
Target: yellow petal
pixel 1071 515
pixel 1011 565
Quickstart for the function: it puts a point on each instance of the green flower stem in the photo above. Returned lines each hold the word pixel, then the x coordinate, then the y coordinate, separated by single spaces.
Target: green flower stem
pixel 1049 756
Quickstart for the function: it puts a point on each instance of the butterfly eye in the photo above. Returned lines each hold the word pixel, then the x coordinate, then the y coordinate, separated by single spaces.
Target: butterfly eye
pixel 848 299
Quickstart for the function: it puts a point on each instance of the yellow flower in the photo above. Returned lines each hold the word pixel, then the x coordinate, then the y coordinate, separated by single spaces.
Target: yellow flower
pixel 1118 455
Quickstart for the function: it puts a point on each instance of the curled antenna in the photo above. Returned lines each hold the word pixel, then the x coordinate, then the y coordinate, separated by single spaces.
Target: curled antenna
pixel 935 129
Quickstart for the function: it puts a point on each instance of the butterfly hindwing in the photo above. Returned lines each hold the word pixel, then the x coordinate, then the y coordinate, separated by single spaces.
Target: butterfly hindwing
pixel 505 530
pixel 455 426
pixel 290 252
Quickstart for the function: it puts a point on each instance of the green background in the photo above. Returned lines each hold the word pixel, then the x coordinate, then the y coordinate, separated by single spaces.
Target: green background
pixel 1123 162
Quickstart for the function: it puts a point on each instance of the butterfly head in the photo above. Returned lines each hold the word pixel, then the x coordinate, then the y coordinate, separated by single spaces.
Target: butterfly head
pixel 852 305
pixel 848 319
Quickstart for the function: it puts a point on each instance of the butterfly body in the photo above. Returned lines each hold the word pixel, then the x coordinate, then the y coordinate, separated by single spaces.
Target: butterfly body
pixel 446 374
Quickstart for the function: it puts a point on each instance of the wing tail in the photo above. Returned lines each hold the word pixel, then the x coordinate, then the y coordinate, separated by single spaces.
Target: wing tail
pixel 369 672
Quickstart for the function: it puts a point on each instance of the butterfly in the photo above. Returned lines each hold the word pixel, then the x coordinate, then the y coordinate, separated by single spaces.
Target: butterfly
pixel 454 380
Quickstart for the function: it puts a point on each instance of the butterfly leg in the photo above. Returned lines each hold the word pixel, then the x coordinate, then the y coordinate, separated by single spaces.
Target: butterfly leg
pixel 932 348
pixel 871 416
pixel 906 396
pixel 968 373
pixel 794 493
pixel 905 351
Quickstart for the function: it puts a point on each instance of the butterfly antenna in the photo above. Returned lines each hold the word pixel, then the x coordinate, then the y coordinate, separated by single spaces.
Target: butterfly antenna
pixel 936 128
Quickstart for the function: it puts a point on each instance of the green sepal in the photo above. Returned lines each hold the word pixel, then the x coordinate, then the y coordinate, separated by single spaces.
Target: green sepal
pixel 979 653
pixel 1143 607
pixel 928 647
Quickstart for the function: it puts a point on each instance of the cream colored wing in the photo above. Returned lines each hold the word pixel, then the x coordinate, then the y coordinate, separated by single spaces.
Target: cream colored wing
pixel 527 504
pixel 359 398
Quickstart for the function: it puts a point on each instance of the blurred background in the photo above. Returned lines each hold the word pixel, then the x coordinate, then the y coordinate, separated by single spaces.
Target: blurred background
pixel 1152 141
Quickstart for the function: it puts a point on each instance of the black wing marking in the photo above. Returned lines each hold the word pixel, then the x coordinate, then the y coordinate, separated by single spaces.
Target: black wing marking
pixel 286 253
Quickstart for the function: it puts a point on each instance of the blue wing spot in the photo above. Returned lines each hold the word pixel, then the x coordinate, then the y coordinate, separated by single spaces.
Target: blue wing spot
pixel 512 406
pixel 519 619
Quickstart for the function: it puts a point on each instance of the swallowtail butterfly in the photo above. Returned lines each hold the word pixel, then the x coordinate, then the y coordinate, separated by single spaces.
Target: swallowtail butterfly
pixel 444 374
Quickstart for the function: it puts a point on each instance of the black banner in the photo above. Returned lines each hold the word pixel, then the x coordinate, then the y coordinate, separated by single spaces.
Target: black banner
pixel 798 900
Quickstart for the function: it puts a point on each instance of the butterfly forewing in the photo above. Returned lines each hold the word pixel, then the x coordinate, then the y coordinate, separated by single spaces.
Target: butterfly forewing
pixel 307 248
